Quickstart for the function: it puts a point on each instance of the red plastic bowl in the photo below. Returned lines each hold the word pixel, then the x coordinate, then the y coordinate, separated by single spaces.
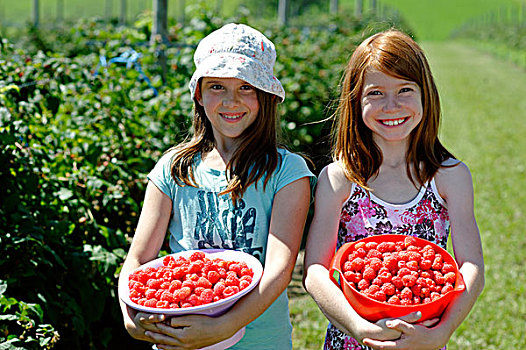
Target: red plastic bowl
pixel 374 310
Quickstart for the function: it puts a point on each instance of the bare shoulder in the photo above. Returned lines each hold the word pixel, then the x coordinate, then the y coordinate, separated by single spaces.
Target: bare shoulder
pixel 332 180
pixel 454 179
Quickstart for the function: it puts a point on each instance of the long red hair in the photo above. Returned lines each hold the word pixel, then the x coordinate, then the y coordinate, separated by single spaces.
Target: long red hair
pixel 394 53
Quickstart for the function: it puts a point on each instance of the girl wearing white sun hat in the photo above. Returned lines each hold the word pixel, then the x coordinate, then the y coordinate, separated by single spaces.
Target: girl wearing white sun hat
pixel 231 185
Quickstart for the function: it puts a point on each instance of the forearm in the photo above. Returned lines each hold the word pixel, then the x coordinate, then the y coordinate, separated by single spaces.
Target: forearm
pixel 460 307
pixel 275 279
pixel 337 309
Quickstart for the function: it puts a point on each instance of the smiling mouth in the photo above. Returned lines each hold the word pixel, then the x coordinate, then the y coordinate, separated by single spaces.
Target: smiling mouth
pixel 231 116
pixel 394 122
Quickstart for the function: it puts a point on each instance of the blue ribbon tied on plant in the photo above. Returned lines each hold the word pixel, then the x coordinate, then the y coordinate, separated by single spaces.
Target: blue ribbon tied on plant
pixel 131 59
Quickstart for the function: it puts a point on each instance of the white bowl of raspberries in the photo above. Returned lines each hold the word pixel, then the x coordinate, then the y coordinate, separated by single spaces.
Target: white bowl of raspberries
pixel 205 282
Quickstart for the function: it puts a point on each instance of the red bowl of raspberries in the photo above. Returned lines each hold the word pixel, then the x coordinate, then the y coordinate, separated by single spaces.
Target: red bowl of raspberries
pixel 205 282
pixel 389 276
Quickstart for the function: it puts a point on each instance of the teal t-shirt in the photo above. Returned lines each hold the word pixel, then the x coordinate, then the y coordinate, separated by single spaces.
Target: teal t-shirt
pixel 202 219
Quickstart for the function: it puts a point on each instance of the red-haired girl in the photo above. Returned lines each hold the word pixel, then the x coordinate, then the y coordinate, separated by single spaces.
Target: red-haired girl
pixel 391 174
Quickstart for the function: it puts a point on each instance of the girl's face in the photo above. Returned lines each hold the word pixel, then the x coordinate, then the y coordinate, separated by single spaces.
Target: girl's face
pixel 391 107
pixel 230 104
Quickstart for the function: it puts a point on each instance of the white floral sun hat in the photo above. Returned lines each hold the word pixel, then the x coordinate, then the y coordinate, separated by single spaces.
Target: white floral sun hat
pixel 237 51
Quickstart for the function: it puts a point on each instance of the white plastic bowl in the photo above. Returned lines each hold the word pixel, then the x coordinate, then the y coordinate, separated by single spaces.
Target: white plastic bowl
pixel 213 309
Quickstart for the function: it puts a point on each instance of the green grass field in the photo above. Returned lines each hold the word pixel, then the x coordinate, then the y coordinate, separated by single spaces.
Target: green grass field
pixel 483 125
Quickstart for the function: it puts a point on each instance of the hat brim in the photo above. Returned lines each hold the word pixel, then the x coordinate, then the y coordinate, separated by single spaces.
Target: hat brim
pixel 232 65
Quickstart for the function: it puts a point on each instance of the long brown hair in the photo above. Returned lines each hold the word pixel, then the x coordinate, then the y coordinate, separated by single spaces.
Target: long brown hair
pixel 395 53
pixel 256 156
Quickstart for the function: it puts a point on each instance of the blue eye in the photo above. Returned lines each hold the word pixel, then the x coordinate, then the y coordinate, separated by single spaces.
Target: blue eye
pixel 406 89
pixel 374 93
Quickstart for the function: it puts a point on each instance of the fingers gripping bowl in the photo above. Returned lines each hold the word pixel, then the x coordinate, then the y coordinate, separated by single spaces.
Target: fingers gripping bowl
pixel 202 282
pixel 390 275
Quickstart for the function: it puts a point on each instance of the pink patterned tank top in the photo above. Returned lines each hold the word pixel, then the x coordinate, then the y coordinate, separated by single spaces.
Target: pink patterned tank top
pixel 364 215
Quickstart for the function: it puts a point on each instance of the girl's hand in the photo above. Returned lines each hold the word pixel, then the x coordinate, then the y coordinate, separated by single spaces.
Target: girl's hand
pixel 190 332
pixel 413 334
pixel 140 322
pixel 387 331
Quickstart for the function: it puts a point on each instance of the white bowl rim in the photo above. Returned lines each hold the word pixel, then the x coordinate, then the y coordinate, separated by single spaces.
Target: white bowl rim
pixel 211 308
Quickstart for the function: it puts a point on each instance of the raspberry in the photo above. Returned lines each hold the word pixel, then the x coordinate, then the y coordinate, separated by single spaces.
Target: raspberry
pixel 359 245
pixel 183 293
pixel 219 288
pixel 409 240
pixel 385 277
pixel 236 268
pixel 404 271
pixel 243 284
pixel 425 264
pixel 435 296
pixel 412 265
pixel 397 281
pixel 189 284
pixel 446 268
pixel 406 293
pixel 174 285
pixel 154 283
pixel 371 245
pixel 394 300
pixel 391 263
pixel 439 278
pixel 167 260
pixel 207 296
pixel 388 288
pixel 386 247
pixel 450 277
pixel 203 282
pixel 246 278
pixel 230 290
pixel 375 264
pixel 360 252
pixel 357 264
pixel 232 281
pixel 447 288
pixel 150 302
pixel 247 271
pixel 373 253
pixel 213 276
pixel 167 296
pixel 196 266
pixel 363 284
pixel 135 295
pixel 369 274
pixel 409 280
pixel 197 256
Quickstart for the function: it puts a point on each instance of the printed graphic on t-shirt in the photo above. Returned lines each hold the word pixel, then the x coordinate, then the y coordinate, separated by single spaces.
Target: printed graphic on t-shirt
pixel 220 224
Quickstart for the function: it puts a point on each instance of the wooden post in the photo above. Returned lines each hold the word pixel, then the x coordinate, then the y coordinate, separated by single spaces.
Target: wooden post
pixel 160 21
pixel 60 11
pixel 182 10
pixel 334 6
pixel 160 33
pixel 358 10
pixel 122 18
pixel 219 7
pixel 36 13
pixel 374 6
pixel 109 9
pixel 282 11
